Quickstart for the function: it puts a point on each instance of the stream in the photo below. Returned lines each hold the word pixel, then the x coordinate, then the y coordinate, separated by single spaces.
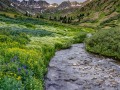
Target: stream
pixel 76 69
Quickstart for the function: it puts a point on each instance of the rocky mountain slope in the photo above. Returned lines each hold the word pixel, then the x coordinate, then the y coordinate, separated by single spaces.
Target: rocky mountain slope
pixel 43 6
pixel 66 8
pixel 5 5
pixel 31 6
pixel 93 13
pixel 9 6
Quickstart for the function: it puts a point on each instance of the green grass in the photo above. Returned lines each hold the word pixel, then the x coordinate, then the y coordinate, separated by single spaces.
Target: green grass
pixel 26 47
pixel 105 42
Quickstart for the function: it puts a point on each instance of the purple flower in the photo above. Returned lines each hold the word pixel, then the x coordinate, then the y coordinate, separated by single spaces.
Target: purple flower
pixel 24 66
pixel 19 69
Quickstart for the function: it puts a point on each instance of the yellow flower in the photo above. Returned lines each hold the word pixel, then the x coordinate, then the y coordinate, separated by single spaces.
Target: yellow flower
pixel 11 73
pixel 15 75
pixel 19 78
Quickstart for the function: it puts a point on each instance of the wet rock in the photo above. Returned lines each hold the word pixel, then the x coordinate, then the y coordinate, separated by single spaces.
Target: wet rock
pixel 111 83
pixel 80 82
pixel 51 88
pixel 97 82
pixel 87 87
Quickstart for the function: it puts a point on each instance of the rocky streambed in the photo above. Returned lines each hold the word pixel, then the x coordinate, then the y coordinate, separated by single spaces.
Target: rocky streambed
pixel 76 69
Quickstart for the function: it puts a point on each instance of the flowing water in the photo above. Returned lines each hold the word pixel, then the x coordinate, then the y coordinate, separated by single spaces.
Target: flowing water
pixel 76 69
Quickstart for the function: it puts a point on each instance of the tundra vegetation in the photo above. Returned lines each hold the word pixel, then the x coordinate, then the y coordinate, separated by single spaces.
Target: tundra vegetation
pixel 26 47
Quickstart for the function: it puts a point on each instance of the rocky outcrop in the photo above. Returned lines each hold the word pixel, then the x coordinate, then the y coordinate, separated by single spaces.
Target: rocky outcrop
pixel 6 5
pixel 75 4
pixel 68 4
pixel 34 4
pixel 64 5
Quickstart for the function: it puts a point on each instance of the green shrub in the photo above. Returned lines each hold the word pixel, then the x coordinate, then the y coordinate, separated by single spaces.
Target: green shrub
pixel 105 42
pixel 80 37
pixel 29 25
pixel 10 83
pixel 4 38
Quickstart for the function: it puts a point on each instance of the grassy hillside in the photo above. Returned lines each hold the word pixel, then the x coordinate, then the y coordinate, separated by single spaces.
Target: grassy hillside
pixel 99 12
pixel 26 46
pixel 9 8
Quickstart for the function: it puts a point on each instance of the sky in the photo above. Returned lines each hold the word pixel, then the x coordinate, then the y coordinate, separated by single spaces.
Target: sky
pixel 59 1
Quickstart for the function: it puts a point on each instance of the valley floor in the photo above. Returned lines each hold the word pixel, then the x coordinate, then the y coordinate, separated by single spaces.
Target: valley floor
pixel 75 69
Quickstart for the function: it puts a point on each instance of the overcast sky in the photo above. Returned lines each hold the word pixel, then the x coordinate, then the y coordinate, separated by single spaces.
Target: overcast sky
pixel 59 1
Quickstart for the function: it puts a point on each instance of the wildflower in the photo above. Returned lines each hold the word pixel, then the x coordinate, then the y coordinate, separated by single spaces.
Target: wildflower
pixel 19 78
pixel 24 66
pixel 19 69
pixel 11 73
pixel 15 75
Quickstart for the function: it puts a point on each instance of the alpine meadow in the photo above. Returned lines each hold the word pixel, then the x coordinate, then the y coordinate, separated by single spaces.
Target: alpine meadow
pixel 68 46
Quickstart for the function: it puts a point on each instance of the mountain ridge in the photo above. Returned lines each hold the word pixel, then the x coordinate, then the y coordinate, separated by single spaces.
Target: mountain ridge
pixel 41 6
